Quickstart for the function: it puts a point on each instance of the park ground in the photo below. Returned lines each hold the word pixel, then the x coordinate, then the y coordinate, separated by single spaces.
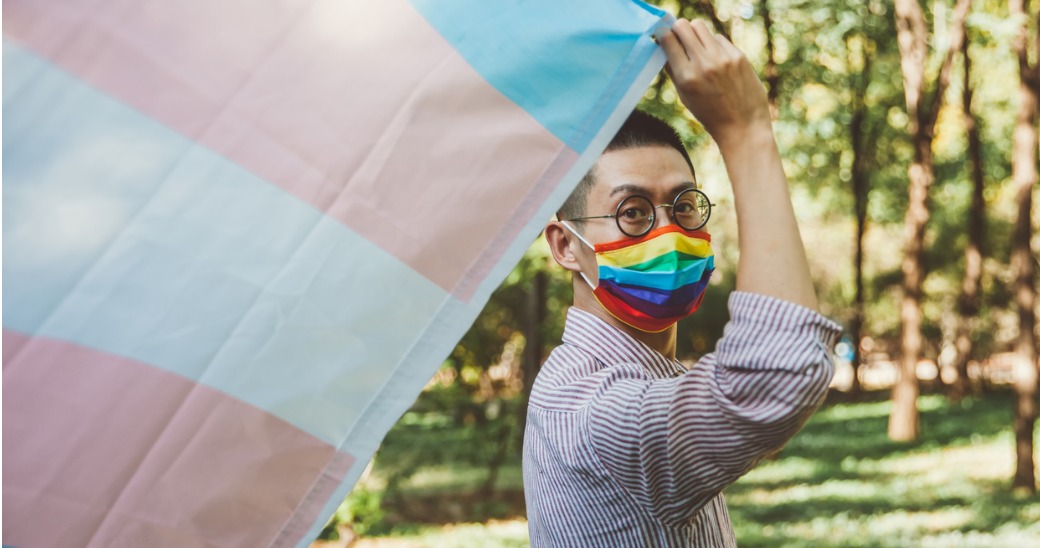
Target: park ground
pixel 839 483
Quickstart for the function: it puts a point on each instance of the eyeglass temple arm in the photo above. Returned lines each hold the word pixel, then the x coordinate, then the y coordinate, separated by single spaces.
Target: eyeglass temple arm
pixel 596 217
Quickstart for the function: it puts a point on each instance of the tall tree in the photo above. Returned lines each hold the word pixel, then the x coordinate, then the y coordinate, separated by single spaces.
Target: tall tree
pixel 922 109
pixel 1024 178
pixel 532 323
pixel 861 54
pixel 971 285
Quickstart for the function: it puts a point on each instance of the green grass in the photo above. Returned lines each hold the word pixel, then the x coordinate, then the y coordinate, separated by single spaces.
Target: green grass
pixel 839 483
pixel 494 534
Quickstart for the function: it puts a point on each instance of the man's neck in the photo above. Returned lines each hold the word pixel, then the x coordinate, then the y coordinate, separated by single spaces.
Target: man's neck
pixel 663 342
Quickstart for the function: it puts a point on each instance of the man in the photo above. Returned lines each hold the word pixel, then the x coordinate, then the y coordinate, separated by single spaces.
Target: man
pixel 624 447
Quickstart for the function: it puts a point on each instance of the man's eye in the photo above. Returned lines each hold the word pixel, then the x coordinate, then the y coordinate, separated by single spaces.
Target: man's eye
pixel 633 214
pixel 683 208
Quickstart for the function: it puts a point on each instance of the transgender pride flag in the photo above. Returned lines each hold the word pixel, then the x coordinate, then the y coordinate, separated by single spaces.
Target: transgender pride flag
pixel 239 236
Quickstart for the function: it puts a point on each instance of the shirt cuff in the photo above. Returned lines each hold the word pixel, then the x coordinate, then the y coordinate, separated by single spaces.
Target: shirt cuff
pixel 754 312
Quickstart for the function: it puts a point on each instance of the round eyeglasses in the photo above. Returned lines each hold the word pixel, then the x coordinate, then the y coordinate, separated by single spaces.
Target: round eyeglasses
pixel 636 215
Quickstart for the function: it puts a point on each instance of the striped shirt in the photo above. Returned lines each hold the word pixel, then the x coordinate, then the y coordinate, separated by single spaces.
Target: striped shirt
pixel 625 447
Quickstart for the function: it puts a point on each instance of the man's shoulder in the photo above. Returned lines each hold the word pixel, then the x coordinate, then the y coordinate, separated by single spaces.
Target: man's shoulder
pixel 571 377
pixel 566 364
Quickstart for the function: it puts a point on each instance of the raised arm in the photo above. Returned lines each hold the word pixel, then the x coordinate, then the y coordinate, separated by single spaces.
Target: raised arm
pixel 718 85
pixel 676 443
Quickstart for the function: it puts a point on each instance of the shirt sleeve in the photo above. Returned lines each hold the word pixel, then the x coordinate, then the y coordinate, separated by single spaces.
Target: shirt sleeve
pixel 673 444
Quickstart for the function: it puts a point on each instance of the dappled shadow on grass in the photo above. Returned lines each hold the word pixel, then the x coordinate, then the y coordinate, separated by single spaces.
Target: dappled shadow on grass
pixel 861 430
pixel 989 518
pixel 840 436
pixel 996 506
pixel 841 482
pixel 849 504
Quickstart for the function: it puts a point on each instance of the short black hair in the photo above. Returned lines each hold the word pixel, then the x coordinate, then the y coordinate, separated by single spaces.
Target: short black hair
pixel 639 130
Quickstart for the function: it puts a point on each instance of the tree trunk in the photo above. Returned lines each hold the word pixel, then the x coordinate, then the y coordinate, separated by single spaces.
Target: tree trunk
pixel 1024 177
pixel 859 183
pixel 971 286
pixel 534 317
pixel 903 423
pixel 912 36
pixel 861 162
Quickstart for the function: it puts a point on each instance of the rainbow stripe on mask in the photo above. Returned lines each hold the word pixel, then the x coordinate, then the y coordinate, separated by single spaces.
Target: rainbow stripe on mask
pixel 653 282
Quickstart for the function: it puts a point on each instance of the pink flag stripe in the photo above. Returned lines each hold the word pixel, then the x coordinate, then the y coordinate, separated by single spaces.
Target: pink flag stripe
pixel 137 456
pixel 435 166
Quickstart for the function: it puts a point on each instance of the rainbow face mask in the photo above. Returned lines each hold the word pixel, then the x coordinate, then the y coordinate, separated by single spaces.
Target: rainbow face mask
pixel 653 281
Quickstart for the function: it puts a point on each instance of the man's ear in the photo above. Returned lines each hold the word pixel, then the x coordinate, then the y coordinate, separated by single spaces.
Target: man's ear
pixel 561 242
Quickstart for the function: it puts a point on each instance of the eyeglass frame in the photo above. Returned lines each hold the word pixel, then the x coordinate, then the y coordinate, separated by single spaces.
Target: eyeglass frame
pixel 653 211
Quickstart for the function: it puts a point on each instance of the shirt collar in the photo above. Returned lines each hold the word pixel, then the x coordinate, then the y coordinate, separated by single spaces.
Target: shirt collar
pixel 611 346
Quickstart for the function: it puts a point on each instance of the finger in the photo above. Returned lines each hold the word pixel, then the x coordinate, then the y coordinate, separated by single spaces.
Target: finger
pixel 687 38
pixel 673 48
pixel 704 35
pixel 668 70
pixel 700 43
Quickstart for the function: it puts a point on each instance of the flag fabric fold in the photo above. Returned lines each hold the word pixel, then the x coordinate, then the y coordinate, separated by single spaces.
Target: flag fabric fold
pixel 240 236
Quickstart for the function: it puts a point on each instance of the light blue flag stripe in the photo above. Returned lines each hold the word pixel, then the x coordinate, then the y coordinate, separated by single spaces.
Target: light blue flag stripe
pixel 108 215
pixel 552 66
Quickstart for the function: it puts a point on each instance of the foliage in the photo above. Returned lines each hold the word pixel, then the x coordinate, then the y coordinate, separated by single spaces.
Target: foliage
pixel 363 510
pixel 824 51
pixel 446 447
pixel 820 49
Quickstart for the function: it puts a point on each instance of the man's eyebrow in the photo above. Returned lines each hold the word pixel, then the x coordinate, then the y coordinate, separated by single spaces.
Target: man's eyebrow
pixel 637 189
pixel 683 186
pixel 634 189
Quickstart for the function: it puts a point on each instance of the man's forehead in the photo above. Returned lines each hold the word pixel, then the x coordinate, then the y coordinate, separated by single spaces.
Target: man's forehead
pixel 652 170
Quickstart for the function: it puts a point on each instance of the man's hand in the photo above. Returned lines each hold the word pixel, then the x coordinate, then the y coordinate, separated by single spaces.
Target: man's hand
pixel 719 87
pixel 715 81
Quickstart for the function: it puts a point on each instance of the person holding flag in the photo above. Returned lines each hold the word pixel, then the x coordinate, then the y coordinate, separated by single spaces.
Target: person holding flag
pixel 624 446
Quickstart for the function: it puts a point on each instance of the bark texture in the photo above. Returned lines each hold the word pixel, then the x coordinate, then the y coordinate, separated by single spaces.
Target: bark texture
pixel 1024 178
pixel 969 303
pixel 862 159
pixel 922 108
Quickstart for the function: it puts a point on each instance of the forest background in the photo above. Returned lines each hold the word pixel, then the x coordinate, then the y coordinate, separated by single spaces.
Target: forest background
pixel 908 130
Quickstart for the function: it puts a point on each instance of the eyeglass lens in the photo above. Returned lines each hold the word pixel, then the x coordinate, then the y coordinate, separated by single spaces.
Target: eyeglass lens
pixel 636 214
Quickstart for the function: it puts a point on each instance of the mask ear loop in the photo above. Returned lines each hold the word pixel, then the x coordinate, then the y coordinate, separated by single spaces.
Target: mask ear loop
pixel 580 237
pixel 589 245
